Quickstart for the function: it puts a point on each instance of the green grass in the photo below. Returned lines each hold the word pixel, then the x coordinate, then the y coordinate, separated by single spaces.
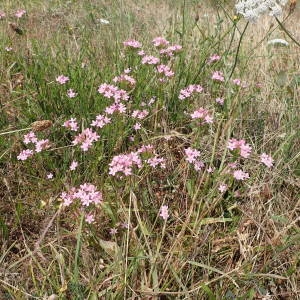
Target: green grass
pixel 213 245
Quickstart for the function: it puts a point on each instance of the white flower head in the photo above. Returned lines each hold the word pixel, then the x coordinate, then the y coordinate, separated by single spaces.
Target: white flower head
pixel 253 9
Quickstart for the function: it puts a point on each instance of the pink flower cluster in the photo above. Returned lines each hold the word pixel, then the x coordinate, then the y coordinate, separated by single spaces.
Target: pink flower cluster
pixel 239 82
pixel 165 70
pixel 71 124
pixel 40 145
pixel 150 60
pixel 61 79
pixel 20 13
pixel 86 139
pixel 192 156
pixel 171 50
pixel 2 14
pixel 245 149
pixel 125 78
pixel 240 175
pixel 101 121
pixel 160 42
pixel 157 161
pixel 203 114
pixel 190 90
pixel 214 58
pixel 164 212
pixel 131 43
pixel 87 194
pixel 117 107
pixel 140 114
pixel 111 91
pixel 218 76
pixel 267 160
pixel 124 163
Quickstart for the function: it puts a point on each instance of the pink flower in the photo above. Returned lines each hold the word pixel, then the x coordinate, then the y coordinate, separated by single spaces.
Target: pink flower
pixel 68 197
pixel 126 79
pixel 20 12
pixel 171 50
pixel 141 53
pixel 112 91
pixel 140 114
pixel 210 170
pixel 61 79
pixel 157 161
pixel 267 160
pixel 245 149
pixel 90 218
pixel 137 126
pixel 49 176
pixel 223 188
pixel 240 175
pixel 30 138
pixel 203 114
pixel 131 43
pixel 2 14
pixel 218 76
pixel 113 231
pixel 124 163
pixel 101 121
pixel 237 81
pixel 8 49
pixel 190 90
pixel 71 93
pixel 25 154
pixel 86 139
pixel 164 212
pixel 116 107
pixel 150 60
pixel 160 42
pixel 165 70
pixel 220 101
pixel 73 165
pixel 191 154
pixel 71 124
pixel 87 193
pixel 213 58
pixel 42 145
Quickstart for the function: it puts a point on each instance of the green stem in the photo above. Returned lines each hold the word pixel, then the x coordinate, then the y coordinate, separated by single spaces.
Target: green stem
pixel 287 32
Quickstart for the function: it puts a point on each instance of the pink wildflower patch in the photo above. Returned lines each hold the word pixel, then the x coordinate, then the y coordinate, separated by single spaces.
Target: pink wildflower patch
pixel 2 14
pixel 160 42
pixel 74 165
pixel 124 163
pixel 222 188
pixel 165 70
pixel 220 101
pixel 20 13
pixel 157 161
pixel 164 212
pixel 150 60
pixel 71 124
pixel 240 175
pixel 71 93
pixel 190 90
pixel 140 114
pixel 267 160
pixel 86 139
pixel 90 218
pixel 171 50
pixel 30 138
pixel 214 58
pixel 124 78
pixel 245 149
pixel 202 114
pixel 25 154
pixel 42 145
pixel 61 79
pixel 131 43
pixel 111 91
pixel 218 76
pixel 101 121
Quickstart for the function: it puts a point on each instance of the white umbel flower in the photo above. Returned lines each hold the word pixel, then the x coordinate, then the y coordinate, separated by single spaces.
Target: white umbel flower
pixel 253 9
